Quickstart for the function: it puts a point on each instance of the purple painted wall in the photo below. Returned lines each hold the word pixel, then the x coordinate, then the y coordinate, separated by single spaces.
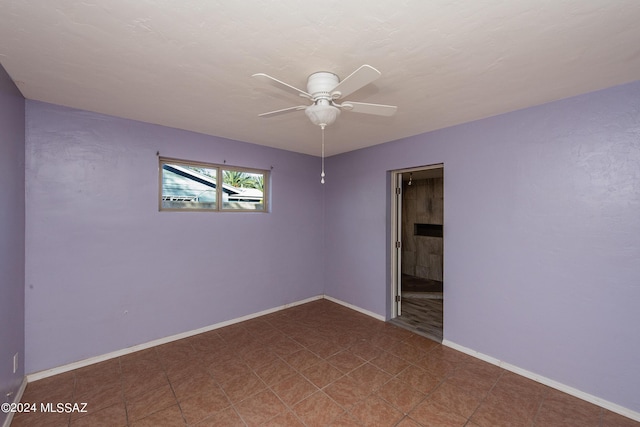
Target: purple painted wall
pixel 105 270
pixel 11 236
pixel 542 236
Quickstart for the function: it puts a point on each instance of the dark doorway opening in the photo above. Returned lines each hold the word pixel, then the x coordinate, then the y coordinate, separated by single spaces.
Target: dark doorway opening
pixel 419 282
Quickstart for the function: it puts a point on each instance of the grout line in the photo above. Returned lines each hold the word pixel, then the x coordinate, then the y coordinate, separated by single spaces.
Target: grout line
pixel 123 396
pixel 535 416
pixel 174 395
pixel 486 396
pixel 601 420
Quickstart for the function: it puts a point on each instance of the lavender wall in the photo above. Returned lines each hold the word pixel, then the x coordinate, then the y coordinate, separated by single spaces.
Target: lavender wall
pixel 542 236
pixel 11 236
pixel 105 270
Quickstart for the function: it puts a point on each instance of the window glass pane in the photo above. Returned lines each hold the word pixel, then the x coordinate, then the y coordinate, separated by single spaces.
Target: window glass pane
pixel 187 186
pixel 243 190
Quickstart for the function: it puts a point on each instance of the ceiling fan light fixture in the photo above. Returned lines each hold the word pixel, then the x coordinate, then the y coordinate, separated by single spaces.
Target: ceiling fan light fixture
pixel 323 89
pixel 322 114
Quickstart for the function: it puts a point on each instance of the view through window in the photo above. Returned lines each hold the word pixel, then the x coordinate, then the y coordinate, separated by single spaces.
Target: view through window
pixel 186 185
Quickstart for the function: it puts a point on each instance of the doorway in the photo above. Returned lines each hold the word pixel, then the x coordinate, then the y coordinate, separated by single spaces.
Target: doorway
pixel 418 250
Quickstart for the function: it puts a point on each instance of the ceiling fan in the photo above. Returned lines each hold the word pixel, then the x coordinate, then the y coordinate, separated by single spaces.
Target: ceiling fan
pixel 324 89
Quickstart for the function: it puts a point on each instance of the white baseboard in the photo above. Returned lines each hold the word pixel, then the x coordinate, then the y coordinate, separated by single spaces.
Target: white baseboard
pixel 90 361
pixel 613 407
pixel 355 308
pixel 16 399
pixel 538 378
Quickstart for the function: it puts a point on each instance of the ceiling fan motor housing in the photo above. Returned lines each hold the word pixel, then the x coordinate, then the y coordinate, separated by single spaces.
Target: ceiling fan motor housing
pixel 320 84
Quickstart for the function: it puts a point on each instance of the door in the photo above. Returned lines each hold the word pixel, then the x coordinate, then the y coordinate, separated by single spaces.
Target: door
pixel 417 215
pixel 397 243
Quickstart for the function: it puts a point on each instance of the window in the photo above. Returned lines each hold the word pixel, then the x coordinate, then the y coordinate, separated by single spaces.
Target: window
pixel 193 186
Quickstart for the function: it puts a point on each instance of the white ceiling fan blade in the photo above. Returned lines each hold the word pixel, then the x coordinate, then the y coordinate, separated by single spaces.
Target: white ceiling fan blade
pixel 356 80
pixel 363 107
pixel 281 85
pixel 283 111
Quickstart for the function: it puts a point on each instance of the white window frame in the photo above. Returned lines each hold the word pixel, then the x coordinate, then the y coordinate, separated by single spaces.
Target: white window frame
pixel 219 189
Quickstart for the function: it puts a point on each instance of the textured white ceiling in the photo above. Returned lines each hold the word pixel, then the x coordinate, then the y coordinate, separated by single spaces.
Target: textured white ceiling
pixel 188 63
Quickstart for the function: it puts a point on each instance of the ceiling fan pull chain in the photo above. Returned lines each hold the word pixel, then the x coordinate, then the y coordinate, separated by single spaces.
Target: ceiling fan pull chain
pixel 322 174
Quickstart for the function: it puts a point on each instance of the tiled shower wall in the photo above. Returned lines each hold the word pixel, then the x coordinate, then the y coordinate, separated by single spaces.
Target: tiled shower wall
pixel 422 203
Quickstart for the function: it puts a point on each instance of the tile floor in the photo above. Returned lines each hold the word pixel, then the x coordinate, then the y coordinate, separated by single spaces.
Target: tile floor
pixel 422 306
pixel 318 364
pixel 422 315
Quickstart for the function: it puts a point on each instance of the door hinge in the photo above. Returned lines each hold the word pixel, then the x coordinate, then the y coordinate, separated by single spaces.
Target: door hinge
pixel 398 245
pixel 398 298
pixel 398 190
